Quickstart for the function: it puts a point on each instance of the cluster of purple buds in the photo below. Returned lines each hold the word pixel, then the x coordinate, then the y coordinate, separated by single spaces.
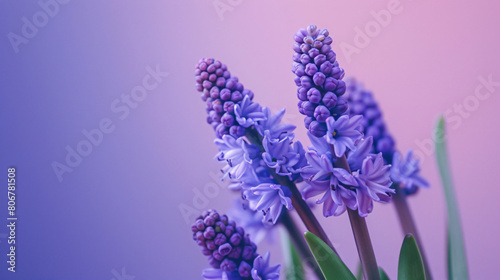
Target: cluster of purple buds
pixel 319 79
pixel 362 102
pixel 230 251
pixel 224 96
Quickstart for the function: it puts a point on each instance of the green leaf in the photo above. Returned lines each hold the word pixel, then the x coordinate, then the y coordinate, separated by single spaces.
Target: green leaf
pixel 331 265
pixel 293 264
pixel 457 262
pixel 383 275
pixel 360 276
pixel 410 265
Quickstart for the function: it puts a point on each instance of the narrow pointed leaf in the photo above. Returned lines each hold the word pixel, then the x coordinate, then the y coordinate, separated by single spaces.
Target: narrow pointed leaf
pixel 383 275
pixel 360 276
pixel 293 264
pixel 331 265
pixel 457 262
pixel 410 265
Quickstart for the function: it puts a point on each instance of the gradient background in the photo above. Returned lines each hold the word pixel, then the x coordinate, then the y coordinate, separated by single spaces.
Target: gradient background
pixel 119 207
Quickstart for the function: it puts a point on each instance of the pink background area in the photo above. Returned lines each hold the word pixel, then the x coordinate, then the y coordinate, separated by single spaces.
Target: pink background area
pixel 120 206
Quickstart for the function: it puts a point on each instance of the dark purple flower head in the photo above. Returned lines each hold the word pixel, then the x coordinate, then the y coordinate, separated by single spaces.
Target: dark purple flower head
pixel 407 172
pixel 232 255
pixel 319 79
pixel 229 106
pixel 361 102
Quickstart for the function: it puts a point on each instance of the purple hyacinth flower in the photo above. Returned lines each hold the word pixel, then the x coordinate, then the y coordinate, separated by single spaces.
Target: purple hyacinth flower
pixel 374 182
pixel 318 77
pixel 248 112
pixel 237 153
pixel 336 184
pixel 357 156
pixel 362 102
pixel 230 251
pixel 279 154
pixel 262 271
pixel 222 93
pixel 270 199
pixel 343 133
pixel 406 171
pixel 320 145
pixel 272 123
pixel 301 160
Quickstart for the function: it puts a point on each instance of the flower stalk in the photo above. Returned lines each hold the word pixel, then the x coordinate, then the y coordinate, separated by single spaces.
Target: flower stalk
pixel 408 223
pixel 360 232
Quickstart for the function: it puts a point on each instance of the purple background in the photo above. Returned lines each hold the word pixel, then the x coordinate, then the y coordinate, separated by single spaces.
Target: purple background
pixel 119 208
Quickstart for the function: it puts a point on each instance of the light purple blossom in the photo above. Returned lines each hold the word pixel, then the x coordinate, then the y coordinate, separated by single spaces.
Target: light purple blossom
pixel 262 271
pixel 248 112
pixel 374 184
pixel 272 123
pixel 301 160
pixel 343 133
pixel 406 172
pixel 336 184
pixel 320 145
pixel 279 154
pixel 238 154
pixel 356 157
pixel 270 199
